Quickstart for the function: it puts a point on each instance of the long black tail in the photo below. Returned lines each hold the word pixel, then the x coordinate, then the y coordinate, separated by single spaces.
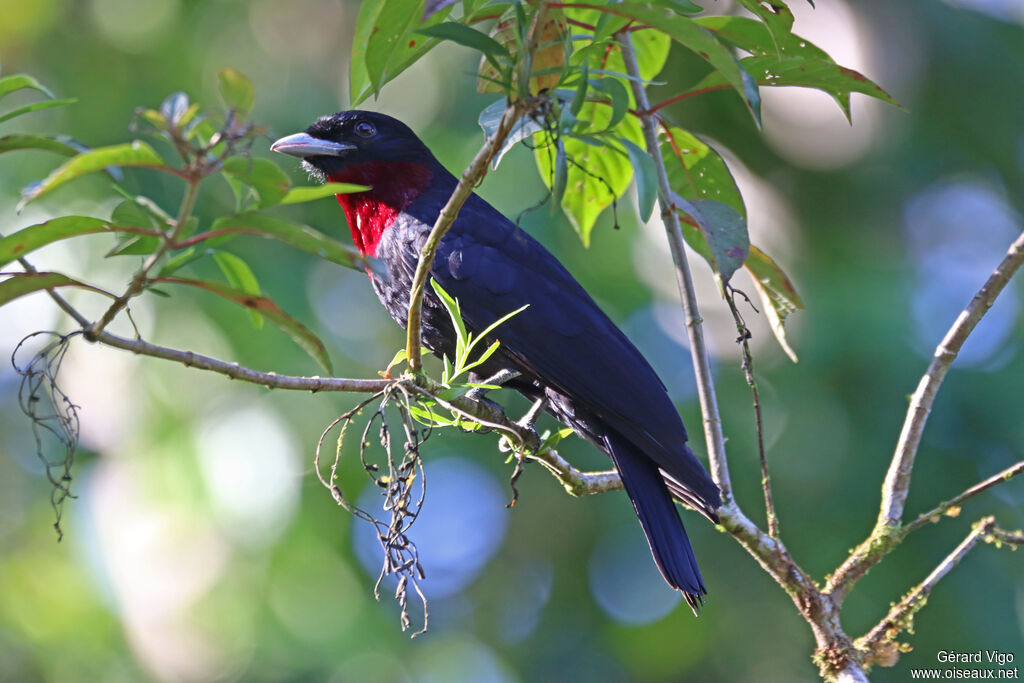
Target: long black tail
pixel 659 518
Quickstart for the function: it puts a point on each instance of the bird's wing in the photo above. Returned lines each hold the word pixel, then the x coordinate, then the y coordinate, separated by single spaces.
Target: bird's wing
pixel 563 338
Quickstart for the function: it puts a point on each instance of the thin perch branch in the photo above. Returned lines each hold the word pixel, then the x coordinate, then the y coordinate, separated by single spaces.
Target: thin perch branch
pixel 897 480
pixel 698 349
pixel 900 617
pixel 944 507
pixel 887 532
pixel 469 180
pixel 471 177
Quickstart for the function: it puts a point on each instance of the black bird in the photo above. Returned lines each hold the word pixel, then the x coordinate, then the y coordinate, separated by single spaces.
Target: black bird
pixel 563 347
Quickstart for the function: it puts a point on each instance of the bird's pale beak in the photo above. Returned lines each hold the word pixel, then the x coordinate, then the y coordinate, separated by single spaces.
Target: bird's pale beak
pixel 302 145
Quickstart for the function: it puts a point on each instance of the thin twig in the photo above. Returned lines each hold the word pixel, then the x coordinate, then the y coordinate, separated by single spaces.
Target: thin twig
pixel 139 279
pixel 897 480
pixel 887 532
pixel 471 177
pixel 900 617
pixel 698 348
pixel 941 509
pixel 747 366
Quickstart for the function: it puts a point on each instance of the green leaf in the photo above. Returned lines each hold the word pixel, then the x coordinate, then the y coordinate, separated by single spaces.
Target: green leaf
pixel 298 195
pixel 11 143
pixel 597 173
pixel 792 61
pixel 262 175
pixel 135 153
pixel 651 48
pixel 454 312
pixel 129 213
pixel 561 175
pixel 20 284
pixel 646 177
pixel 467 37
pixel 240 276
pixel 33 237
pixel 695 170
pixel 9 84
pixel 725 232
pixel 236 91
pixel 831 78
pixel 523 128
pixel 619 96
pixel 28 108
pixel 179 261
pixel 299 236
pixel 777 17
pixel 696 38
pixel 377 23
pixel 751 35
pixel 266 307
pixel 777 294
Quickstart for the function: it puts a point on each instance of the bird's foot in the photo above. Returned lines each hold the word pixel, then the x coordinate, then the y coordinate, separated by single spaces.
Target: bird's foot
pixel 496 380
pixel 533 413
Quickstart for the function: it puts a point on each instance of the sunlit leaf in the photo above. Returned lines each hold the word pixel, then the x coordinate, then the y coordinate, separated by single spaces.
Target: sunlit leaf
pixel 695 170
pixel 33 237
pixel 792 61
pixel 597 174
pixel 11 143
pixel 266 307
pixel 465 36
pixel 135 153
pixel 236 91
pixel 547 61
pixel 777 17
pixel 298 195
pixel 270 183
pixel 28 108
pixel 646 178
pixel 699 40
pixel 240 276
pixel 20 284
pixel 384 45
pixel 778 296
pixel 9 84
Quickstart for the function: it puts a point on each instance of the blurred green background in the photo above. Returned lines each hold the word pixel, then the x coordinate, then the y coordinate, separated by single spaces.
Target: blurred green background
pixel 200 546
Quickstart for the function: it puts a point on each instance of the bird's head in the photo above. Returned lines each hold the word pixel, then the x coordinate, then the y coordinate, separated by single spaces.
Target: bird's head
pixel 336 144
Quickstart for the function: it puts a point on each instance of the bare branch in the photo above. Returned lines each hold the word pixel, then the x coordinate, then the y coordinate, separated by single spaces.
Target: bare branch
pixel 897 480
pixel 747 366
pixel 887 532
pixel 698 349
pixel 943 508
pixel 879 642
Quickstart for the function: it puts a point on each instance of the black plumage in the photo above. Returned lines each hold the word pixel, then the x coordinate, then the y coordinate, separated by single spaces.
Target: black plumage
pixel 563 346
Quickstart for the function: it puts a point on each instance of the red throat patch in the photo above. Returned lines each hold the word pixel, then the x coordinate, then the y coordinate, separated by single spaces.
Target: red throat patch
pixel 395 184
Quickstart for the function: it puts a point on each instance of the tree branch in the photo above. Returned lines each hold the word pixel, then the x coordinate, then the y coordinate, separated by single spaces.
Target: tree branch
pixel 698 349
pixel 887 532
pixel 897 480
pixel 942 508
pixel 879 643
pixel 139 279
pixel 471 177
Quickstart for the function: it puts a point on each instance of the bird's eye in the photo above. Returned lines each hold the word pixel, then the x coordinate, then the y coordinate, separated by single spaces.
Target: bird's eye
pixel 365 129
